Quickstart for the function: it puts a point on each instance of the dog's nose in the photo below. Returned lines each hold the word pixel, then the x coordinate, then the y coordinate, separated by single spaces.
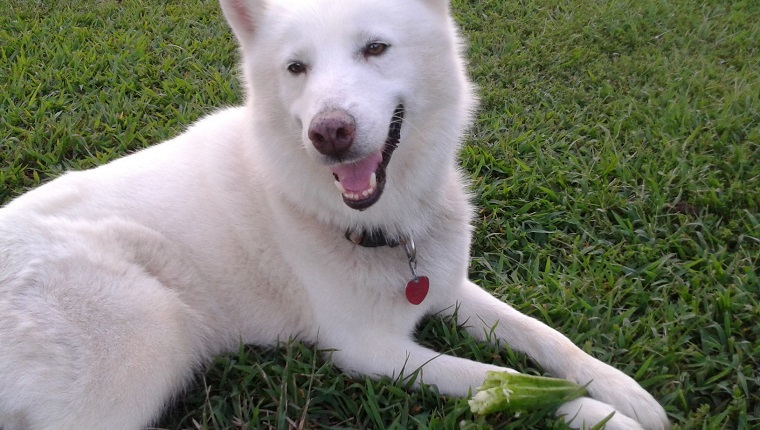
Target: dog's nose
pixel 332 132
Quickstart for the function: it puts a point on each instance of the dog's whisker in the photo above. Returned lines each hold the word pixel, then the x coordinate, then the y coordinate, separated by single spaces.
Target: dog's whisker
pixel 416 129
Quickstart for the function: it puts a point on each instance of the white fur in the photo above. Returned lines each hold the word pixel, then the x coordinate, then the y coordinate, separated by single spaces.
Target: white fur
pixel 116 283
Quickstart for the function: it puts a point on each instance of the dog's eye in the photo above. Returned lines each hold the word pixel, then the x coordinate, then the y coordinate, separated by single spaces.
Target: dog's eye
pixel 297 68
pixel 374 49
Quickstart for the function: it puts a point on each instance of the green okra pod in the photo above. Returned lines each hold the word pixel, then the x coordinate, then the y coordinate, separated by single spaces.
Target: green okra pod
pixel 515 392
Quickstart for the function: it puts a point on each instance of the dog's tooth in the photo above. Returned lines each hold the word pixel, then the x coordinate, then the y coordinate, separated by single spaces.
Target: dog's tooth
pixel 358 196
pixel 340 187
pixel 356 237
pixel 373 180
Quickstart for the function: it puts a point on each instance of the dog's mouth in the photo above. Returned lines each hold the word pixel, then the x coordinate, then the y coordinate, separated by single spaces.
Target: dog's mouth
pixel 362 182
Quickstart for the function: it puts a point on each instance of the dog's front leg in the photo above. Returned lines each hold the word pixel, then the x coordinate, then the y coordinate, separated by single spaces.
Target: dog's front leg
pixel 402 357
pixel 488 318
pixel 399 356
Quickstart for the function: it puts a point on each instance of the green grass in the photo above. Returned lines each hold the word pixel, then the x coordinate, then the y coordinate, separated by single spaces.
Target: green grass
pixel 616 162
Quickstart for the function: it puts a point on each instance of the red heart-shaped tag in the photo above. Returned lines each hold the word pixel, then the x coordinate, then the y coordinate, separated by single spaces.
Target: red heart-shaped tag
pixel 417 289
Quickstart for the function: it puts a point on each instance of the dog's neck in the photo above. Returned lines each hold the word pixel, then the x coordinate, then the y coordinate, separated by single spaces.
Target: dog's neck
pixel 417 288
pixel 371 238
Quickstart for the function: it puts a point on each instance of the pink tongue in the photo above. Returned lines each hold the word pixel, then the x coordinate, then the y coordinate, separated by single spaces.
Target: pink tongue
pixel 355 176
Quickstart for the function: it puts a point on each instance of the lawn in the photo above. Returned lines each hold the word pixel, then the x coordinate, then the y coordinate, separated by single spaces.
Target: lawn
pixel 615 162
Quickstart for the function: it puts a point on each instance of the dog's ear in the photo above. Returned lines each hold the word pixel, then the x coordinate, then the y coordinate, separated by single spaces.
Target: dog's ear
pixel 442 6
pixel 243 15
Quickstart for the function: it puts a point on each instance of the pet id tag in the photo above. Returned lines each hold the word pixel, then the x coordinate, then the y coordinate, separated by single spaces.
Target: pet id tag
pixel 417 288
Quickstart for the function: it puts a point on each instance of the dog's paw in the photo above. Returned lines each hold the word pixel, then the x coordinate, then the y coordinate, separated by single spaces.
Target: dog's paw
pixel 619 390
pixel 585 413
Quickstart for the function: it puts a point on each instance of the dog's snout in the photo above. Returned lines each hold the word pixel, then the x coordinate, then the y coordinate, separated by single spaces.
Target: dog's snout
pixel 332 132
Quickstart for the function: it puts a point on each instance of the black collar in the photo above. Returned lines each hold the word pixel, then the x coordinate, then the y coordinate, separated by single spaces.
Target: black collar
pixel 371 238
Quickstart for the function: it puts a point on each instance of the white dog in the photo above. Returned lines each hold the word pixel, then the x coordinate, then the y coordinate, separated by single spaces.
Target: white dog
pixel 329 208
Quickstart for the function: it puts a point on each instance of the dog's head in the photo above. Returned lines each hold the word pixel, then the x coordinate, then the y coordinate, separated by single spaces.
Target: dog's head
pixel 368 95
